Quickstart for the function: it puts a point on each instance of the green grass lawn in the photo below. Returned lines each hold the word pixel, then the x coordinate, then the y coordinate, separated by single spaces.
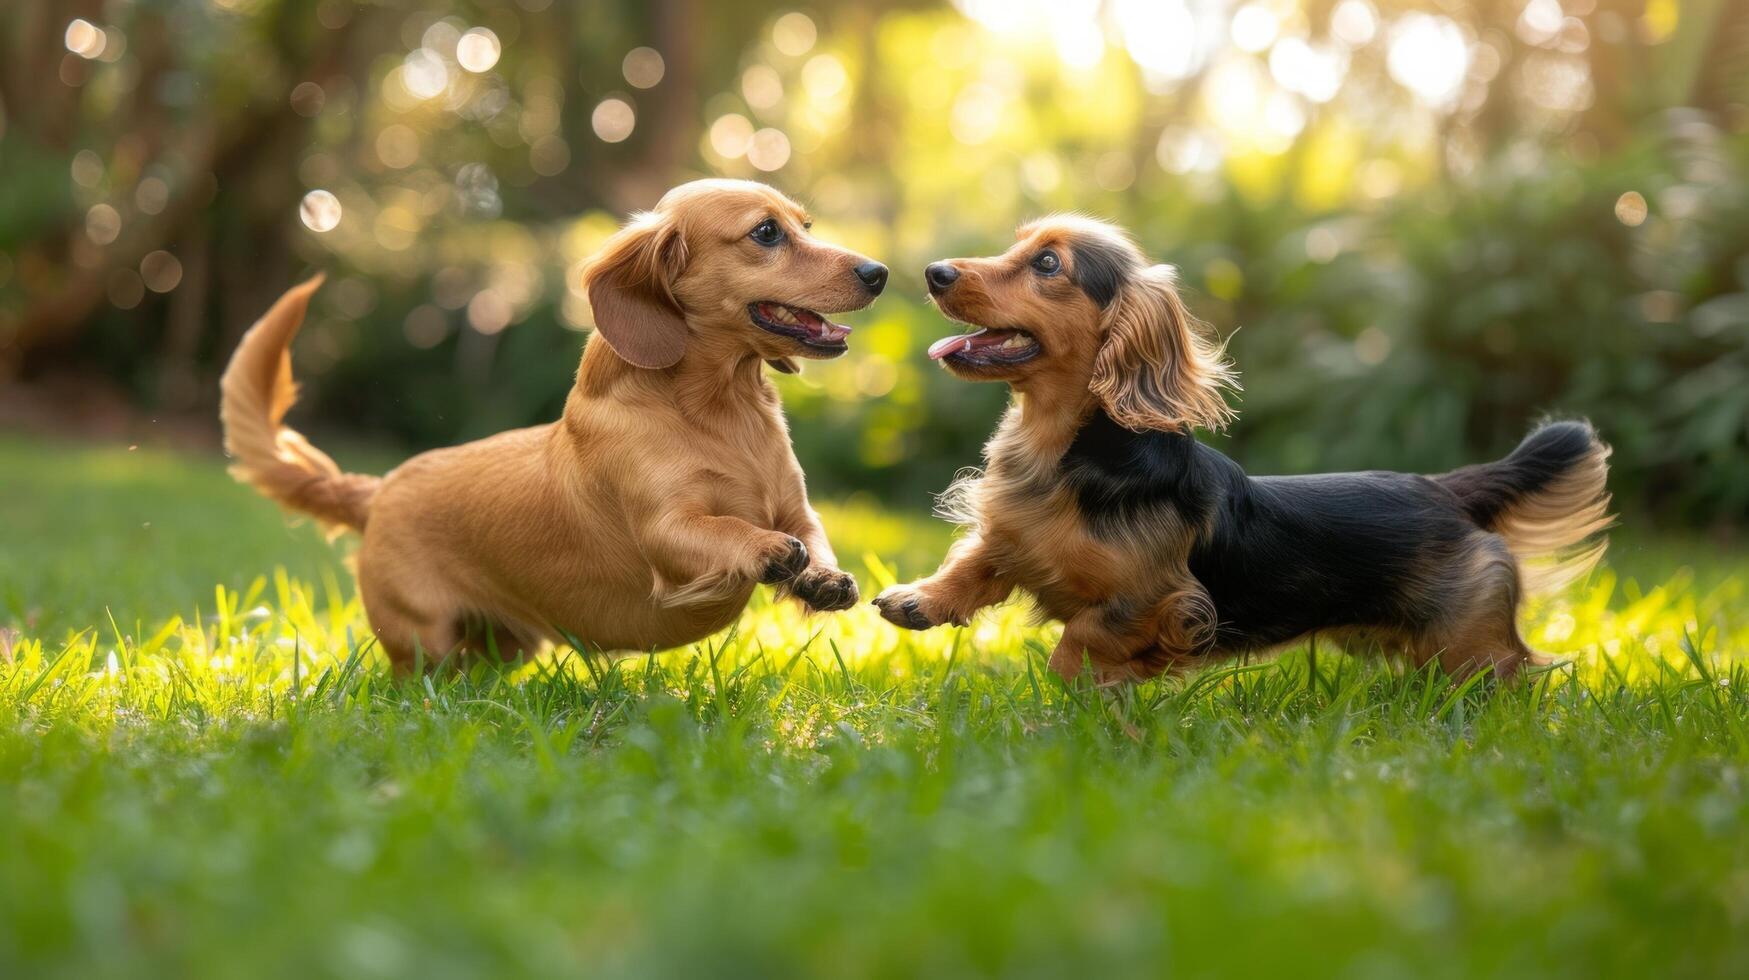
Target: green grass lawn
pixel 205 771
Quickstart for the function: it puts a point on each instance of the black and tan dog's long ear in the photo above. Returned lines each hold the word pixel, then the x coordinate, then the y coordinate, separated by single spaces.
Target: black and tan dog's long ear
pixel 630 291
pixel 1156 369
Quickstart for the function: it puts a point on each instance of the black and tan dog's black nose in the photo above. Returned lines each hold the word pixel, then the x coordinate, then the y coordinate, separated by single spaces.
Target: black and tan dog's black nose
pixel 940 275
pixel 873 275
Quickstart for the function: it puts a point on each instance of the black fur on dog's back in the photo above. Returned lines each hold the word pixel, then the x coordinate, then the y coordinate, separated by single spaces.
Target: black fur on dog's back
pixel 1283 556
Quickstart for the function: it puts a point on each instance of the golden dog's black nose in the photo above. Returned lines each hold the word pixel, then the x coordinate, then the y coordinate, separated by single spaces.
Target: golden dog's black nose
pixel 940 275
pixel 873 275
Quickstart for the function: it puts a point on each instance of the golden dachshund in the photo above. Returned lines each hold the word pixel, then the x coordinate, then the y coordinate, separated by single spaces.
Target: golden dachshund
pixel 642 518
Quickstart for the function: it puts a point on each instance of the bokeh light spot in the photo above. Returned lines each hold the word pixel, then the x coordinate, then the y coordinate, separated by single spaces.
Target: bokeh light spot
pixel 160 271
pixel 1354 22
pixel 1254 27
pixel 730 135
pixel 613 120
pixel 1630 209
pixel 489 312
pixel 768 150
pixel 102 224
pixel 85 39
pixel 152 195
pixel 1429 56
pixel 824 77
pixel 320 211
pixel 398 146
pixel 643 68
pixel 307 99
pixel 424 74
pixel 87 169
pixel 762 86
pixel 794 34
pixel 477 50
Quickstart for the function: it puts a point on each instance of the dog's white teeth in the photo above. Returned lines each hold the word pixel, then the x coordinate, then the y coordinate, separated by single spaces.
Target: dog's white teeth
pixel 1014 341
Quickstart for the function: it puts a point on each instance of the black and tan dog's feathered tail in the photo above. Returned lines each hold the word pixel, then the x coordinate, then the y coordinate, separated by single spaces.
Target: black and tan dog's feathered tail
pixel 256 392
pixel 1547 499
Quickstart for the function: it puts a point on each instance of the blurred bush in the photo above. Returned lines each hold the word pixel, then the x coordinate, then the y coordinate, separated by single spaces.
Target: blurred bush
pixel 1423 225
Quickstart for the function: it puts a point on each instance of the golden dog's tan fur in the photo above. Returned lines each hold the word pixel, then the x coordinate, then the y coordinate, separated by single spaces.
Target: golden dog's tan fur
pixel 643 518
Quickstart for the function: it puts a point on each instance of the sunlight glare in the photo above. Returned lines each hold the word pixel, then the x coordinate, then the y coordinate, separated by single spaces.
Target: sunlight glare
pixel 425 74
pixel 1315 72
pixel 1354 22
pixel 1254 27
pixel 1160 36
pixel 1430 57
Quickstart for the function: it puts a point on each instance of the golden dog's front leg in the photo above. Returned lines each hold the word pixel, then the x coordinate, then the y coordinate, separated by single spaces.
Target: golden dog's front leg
pixel 965 583
pixel 822 585
pixel 699 557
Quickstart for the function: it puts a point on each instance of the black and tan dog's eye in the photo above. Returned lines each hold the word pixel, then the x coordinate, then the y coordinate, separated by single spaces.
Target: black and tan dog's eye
pixel 1046 263
pixel 767 233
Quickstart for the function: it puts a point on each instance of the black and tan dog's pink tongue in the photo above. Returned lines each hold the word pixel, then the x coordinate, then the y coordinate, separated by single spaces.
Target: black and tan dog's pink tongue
pixel 953 345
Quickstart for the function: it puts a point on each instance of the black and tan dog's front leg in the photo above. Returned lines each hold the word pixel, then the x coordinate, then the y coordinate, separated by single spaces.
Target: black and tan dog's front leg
pixel 965 583
pixel 822 584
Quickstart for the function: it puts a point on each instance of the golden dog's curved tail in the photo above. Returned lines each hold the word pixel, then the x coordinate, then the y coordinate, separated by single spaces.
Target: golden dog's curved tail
pixel 277 461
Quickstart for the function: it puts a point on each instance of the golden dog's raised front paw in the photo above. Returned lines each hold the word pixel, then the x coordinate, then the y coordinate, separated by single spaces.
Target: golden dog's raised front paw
pixel 904 606
pixel 784 559
pixel 825 589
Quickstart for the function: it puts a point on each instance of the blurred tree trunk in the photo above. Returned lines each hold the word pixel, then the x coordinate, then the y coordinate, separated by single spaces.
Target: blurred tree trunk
pixel 70 276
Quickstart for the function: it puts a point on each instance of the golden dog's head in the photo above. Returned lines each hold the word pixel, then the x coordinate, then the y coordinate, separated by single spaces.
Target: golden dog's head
pixel 1074 307
pixel 727 267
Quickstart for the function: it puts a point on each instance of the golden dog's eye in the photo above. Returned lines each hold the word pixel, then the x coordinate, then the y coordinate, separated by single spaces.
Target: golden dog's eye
pixel 767 233
pixel 1046 263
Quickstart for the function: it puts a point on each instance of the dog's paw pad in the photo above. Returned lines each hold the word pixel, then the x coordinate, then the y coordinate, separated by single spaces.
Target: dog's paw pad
pixel 826 590
pixel 902 608
pixel 786 564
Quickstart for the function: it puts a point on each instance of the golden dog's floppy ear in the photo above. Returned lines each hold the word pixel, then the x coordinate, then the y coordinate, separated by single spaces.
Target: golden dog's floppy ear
pixel 1156 369
pixel 630 291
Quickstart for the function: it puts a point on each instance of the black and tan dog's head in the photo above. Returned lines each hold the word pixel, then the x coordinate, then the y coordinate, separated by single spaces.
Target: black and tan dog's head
pixel 726 267
pixel 1075 307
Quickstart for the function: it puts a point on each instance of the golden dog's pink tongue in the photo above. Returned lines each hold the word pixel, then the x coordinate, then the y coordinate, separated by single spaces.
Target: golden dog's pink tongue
pixel 953 345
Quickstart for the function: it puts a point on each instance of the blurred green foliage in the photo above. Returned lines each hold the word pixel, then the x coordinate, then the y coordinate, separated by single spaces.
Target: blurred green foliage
pixel 1422 225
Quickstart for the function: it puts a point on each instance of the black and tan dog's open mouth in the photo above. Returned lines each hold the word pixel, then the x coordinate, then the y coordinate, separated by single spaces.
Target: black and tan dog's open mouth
pixel 986 346
pixel 806 327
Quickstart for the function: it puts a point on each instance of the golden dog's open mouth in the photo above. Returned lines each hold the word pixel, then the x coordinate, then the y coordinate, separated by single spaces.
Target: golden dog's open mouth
pixel 803 326
pixel 986 346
